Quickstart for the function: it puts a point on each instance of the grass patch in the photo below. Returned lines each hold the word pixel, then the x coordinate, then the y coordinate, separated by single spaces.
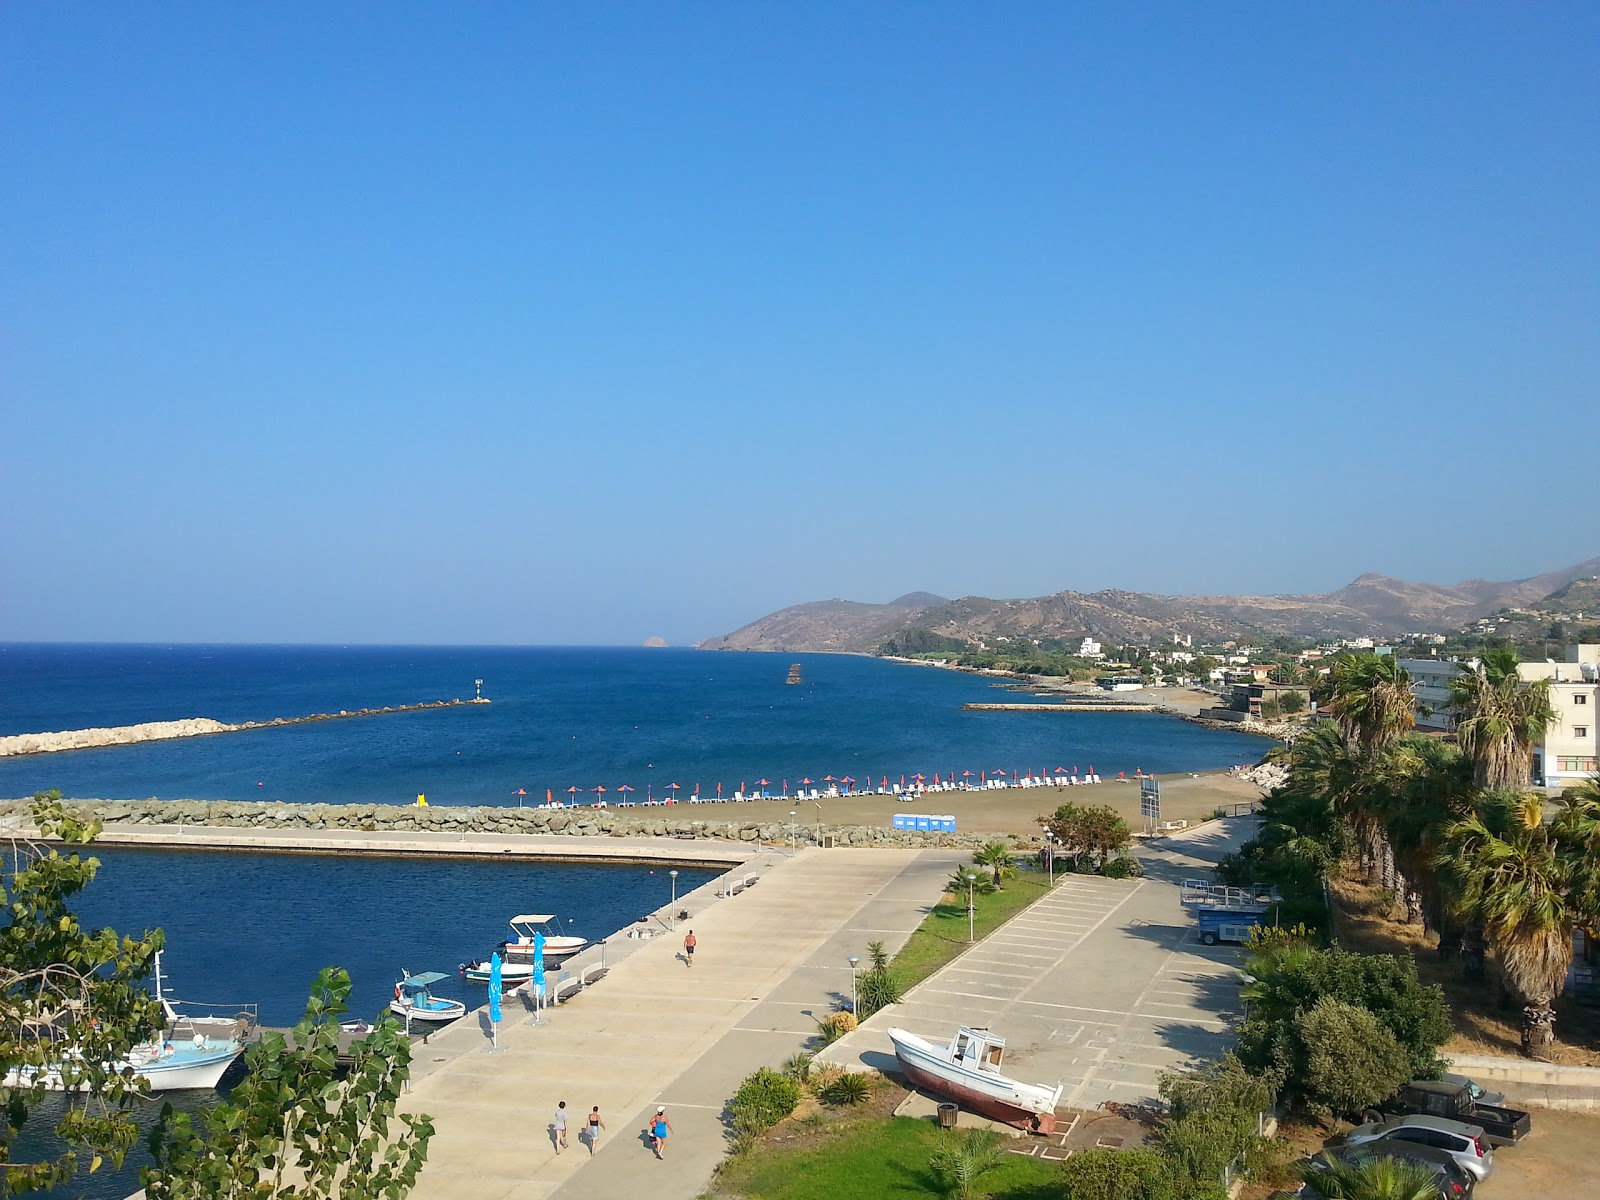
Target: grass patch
pixel 876 1158
pixel 943 932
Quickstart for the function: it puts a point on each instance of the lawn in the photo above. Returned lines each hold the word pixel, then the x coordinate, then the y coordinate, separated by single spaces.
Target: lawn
pixel 873 1158
pixel 943 932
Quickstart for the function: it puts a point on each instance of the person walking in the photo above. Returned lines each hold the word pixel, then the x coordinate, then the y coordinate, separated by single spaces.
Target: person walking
pixel 595 1126
pixel 689 944
pixel 660 1128
pixel 560 1126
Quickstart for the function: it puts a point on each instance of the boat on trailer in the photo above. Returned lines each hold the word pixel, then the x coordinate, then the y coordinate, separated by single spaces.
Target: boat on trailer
pixel 415 1002
pixel 966 1069
pixel 516 952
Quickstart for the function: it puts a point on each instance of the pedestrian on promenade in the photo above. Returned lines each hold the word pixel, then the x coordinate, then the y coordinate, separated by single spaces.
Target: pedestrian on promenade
pixel 688 948
pixel 559 1125
pixel 660 1128
pixel 595 1126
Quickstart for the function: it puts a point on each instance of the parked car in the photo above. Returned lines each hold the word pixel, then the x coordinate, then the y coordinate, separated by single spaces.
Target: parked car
pixel 1467 1144
pixel 1479 1096
pixel 1440 1098
pixel 1452 1182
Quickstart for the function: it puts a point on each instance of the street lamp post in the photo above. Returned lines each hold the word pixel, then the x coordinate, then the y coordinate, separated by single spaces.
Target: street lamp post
pixel 971 934
pixel 1050 855
pixel 853 961
pixel 674 913
pixel 792 840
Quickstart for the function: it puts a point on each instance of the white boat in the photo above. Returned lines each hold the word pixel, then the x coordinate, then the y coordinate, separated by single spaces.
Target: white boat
pixel 966 1069
pixel 194 1050
pixel 516 952
pixel 413 1001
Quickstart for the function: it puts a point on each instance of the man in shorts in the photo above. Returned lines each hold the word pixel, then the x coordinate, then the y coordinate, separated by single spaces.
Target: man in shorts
pixel 660 1128
pixel 559 1125
pixel 688 948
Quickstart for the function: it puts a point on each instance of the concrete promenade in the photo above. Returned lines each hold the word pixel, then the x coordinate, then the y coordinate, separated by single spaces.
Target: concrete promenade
pixel 772 960
pixel 1102 984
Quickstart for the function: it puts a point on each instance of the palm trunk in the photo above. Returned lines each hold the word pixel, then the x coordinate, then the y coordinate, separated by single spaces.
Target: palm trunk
pixel 1414 913
pixel 1473 948
pixel 1538 1028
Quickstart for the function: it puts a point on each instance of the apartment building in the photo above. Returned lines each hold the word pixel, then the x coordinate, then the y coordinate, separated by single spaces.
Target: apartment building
pixel 1571 750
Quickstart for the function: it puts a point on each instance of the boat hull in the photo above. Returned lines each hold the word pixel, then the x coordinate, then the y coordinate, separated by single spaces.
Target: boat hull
pixel 1023 1106
pixel 191 1072
pixel 446 1012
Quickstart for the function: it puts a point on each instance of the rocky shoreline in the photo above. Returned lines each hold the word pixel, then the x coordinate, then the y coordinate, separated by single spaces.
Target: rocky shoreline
pixel 571 822
pixel 19 744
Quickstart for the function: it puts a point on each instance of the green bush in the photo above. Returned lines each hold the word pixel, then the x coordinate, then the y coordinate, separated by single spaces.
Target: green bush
pixel 1348 1060
pixel 1213 1117
pixel 1120 1175
pixel 1124 866
pixel 850 1088
pixel 798 1066
pixel 763 1099
pixel 965 1157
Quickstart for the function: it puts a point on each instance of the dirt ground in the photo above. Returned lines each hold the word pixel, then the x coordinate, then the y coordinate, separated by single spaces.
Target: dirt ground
pixel 1001 810
pixel 1364 920
pixel 1560 1159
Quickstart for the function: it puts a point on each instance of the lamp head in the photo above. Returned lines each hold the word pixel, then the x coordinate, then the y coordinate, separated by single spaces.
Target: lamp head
pixel 854 960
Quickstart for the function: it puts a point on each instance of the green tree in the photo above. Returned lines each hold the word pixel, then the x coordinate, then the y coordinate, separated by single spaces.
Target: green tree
pixel 1213 1115
pixel 1292 703
pixel 1139 1174
pixel 998 859
pixel 1092 831
pixel 297 1126
pixel 1499 720
pixel 1372 700
pixel 964 1158
pixel 1376 1178
pixel 876 987
pixel 71 1007
pixel 1531 886
pixel 1348 1061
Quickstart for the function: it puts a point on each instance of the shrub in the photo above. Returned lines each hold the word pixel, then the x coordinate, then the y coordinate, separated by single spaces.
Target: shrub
pixel 1213 1117
pixel 1349 1061
pixel 850 1087
pixel 1088 831
pixel 1124 866
pixel 1119 1175
pixel 763 1099
pixel 798 1066
pixel 824 1077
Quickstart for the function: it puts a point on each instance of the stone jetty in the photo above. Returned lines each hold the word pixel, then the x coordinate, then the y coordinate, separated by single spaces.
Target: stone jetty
pixel 1081 706
pixel 159 731
pixel 659 822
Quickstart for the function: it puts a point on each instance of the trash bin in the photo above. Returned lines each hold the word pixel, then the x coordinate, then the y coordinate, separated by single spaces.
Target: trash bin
pixel 947 1116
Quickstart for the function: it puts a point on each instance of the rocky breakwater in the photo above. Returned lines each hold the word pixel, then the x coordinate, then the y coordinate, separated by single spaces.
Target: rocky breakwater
pixel 158 731
pixel 574 822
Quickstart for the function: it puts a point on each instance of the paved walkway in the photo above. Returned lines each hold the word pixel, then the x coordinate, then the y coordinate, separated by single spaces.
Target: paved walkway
pixel 771 961
pixel 1102 984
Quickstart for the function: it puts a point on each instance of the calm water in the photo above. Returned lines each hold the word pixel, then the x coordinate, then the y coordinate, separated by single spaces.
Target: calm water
pixel 561 718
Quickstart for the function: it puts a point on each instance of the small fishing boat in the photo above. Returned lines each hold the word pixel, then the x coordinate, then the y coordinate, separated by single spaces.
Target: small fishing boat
pixel 413 1001
pixel 794 674
pixel 516 952
pixel 966 1069
pixel 193 1051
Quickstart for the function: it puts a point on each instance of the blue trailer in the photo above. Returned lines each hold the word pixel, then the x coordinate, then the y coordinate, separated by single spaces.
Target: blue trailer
pixel 1227 914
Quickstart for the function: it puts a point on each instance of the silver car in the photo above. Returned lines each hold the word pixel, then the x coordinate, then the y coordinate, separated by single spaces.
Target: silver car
pixel 1466 1144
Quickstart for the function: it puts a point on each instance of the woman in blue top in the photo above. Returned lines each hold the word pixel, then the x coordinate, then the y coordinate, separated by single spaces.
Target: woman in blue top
pixel 660 1127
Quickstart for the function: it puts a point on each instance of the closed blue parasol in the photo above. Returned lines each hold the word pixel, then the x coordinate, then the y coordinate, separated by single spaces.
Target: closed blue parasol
pixel 494 988
pixel 538 963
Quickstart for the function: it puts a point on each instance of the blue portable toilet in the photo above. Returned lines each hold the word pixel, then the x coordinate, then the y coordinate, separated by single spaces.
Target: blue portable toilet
pixel 947 823
pixel 925 824
pixel 901 821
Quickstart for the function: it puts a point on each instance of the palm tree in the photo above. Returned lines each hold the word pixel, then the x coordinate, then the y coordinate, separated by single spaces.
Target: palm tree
pixel 1377 1178
pixel 965 1157
pixel 1499 720
pixel 997 857
pixel 1434 796
pixel 1530 886
pixel 1372 700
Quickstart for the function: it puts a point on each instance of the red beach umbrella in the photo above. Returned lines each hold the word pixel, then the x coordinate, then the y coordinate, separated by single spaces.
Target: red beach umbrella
pixel 936 777
pixel 572 791
pixel 847 779
pixel 966 774
pixel 827 779
pixel 919 777
pixel 548 798
pixel 885 782
pixel 521 792
pixel 806 781
pixel 719 787
pixel 625 788
pixel 902 781
pixel 763 782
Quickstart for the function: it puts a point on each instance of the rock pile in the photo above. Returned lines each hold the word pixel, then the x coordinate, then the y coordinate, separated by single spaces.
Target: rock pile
pixel 579 822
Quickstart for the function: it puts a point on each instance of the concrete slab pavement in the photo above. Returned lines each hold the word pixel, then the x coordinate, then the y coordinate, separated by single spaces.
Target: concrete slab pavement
pixel 1101 985
pixel 770 962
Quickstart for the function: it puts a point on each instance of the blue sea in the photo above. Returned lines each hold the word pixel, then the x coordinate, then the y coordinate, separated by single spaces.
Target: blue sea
pixel 561 718
pixel 257 927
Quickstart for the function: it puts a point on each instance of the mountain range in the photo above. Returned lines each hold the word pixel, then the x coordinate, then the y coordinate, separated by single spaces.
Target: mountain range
pixel 1371 606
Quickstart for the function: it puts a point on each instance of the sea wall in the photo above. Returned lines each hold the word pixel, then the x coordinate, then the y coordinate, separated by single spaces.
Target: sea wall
pixel 160 731
pixel 572 822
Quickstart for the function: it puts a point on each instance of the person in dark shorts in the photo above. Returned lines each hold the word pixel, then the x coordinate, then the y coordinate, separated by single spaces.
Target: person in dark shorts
pixel 688 948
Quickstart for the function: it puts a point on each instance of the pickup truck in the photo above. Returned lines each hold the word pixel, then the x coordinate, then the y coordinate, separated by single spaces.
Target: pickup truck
pixel 1440 1098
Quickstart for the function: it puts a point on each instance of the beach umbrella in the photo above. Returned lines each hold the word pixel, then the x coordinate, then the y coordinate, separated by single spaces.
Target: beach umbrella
pixel 674 787
pixel 785 787
pixel 573 790
pixel 827 779
pixel 719 787
pixel 625 788
pixel 495 983
pixel 521 792
pixel 549 796
pixel 885 782
pixel 936 777
pixel 966 774
pixel 763 782
pixel 599 791
pixel 902 781
pixel 806 781
pixel 919 777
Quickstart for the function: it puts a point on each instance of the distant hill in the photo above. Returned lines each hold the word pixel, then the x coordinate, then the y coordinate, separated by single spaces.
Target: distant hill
pixel 1372 606
pixel 1580 597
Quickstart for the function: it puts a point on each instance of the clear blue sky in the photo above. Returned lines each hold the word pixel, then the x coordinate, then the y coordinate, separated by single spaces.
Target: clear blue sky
pixel 588 322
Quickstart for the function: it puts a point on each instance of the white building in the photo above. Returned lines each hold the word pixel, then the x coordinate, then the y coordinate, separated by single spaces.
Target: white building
pixel 1570 753
pixel 1091 649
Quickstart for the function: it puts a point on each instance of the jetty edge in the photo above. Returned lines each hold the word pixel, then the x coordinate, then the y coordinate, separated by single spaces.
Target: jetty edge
pixel 18 744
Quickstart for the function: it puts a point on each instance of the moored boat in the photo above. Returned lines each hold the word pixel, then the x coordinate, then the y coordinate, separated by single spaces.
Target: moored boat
pixel 966 1069
pixel 415 1002
pixel 530 931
